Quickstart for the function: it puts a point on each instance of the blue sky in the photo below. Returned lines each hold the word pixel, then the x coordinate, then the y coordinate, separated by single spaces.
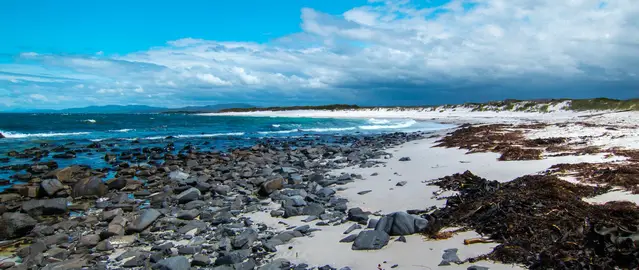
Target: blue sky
pixel 57 54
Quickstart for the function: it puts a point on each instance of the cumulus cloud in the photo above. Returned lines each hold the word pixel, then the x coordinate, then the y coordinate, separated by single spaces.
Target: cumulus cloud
pixel 388 51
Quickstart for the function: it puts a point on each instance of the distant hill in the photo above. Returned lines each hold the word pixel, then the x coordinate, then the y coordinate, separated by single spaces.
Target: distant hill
pixel 145 109
pixel 209 108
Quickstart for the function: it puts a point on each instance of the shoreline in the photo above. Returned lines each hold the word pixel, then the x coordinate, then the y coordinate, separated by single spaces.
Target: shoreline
pixel 207 209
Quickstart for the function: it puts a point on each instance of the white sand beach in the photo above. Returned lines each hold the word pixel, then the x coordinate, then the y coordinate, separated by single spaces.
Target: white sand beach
pixel 429 162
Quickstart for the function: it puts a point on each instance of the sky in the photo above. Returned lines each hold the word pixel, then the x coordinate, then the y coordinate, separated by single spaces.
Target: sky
pixel 75 53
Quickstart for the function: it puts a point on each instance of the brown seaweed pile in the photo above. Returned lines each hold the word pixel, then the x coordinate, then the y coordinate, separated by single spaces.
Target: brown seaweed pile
pixel 609 174
pixel 542 222
pixel 501 138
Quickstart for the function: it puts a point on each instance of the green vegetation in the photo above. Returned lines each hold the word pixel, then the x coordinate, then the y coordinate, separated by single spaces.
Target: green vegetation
pixel 295 108
pixel 604 104
pixel 540 105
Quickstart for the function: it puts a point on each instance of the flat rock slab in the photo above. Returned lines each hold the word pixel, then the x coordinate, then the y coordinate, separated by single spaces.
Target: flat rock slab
pixel 371 240
pixel 144 220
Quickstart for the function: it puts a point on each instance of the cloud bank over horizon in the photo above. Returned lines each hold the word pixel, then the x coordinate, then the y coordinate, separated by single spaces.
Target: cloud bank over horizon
pixel 386 52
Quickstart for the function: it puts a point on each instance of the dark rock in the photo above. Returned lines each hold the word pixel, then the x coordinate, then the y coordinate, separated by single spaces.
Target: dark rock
pixel 178 176
pixel 89 240
pixel 348 239
pixel 233 257
pixel 193 205
pixel 404 159
pixel 110 214
pixel 450 256
pixel 401 239
pixel 200 260
pixel 309 219
pixel 325 192
pixel 277 264
pixel 270 186
pixel 189 250
pixel 401 223
pixel 247 265
pixel 173 263
pixel 364 192
pixel 13 225
pixel 358 215
pixel 352 228
pixel 303 228
pixel 51 186
pixel 371 240
pixel 188 214
pixel 36 248
pixel 45 207
pixel 89 187
pixel 401 183
pixel 475 267
pixel 313 209
pixel 245 239
pixel 189 195
pixel 372 223
pixel 137 261
pixel 146 218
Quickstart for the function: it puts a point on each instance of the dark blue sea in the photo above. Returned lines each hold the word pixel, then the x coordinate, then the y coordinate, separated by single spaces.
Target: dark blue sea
pixel 124 132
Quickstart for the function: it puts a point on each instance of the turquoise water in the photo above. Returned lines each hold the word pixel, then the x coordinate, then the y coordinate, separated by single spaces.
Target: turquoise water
pixel 134 132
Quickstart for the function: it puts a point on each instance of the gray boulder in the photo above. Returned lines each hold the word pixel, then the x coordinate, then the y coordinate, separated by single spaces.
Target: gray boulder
pixel 92 186
pixel 45 207
pixel 370 240
pixel 189 195
pixel 16 225
pixel 173 263
pixel 51 186
pixel 178 176
pixel 245 239
pixel 358 215
pixel 144 220
pixel 233 257
pixel 401 223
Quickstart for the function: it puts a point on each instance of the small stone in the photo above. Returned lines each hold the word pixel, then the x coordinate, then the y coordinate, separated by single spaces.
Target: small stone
pixel 404 159
pixel 450 256
pixel 90 240
pixel 401 183
pixel 401 239
pixel 364 192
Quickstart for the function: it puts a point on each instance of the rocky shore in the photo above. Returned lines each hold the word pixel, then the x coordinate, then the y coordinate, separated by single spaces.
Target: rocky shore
pixel 189 210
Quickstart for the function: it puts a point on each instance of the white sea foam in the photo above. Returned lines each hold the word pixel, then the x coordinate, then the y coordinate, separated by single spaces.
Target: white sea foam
pixel 275 125
pixel 17 135
pixel 406 124
pixel 124 130
pixel 378 121
pixel 277 132
pixel 197 135
pixel 92 121
pixel 327 129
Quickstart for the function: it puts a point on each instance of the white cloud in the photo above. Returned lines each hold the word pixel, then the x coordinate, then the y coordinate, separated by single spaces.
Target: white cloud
pixel 38 97
pixel 387 46
pixel 212 79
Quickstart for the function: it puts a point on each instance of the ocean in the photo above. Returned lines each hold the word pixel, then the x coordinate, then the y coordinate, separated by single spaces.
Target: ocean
pixel 134 132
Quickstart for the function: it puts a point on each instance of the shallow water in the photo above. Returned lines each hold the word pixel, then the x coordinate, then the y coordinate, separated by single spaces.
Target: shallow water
pixel 134 132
